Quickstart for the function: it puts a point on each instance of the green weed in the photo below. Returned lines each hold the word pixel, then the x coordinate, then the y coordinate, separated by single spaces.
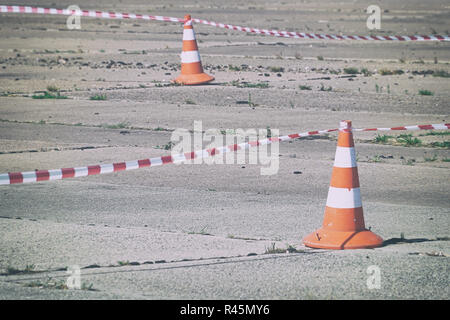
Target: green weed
pixel 426 93
pixel 120 125
pixel 276 69
pixel 444 144
pixel 304 87
pixel 382 138
pixel 408 140
pixel 441 73
pixel 48 95
pixel 98 97
pixel 351 70
pixel 189 101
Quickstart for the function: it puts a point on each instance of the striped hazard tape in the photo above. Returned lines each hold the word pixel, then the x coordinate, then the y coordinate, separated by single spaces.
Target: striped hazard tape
pixel 317 36
pixel 275 33
pixel 58 174
pixel 85 13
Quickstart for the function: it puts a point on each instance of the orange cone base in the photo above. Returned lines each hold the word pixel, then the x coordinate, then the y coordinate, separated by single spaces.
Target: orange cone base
pixel 339 240
pixel 192 79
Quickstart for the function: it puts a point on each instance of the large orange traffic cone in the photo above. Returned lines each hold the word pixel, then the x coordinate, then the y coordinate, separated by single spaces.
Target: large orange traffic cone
pixel 343 224
pixel 191 66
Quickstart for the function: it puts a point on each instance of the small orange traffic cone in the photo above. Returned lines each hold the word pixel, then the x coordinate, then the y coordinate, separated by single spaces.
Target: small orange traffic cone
pixel 343 224
pixel 191 66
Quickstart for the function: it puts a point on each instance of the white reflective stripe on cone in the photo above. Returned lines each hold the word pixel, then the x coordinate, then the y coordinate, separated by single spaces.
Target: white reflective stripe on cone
pixel 190 57
pixel 345 157
pixel 343 198
pixel 188 34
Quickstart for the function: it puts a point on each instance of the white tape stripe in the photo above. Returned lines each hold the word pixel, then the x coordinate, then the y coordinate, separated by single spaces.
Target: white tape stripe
pixel 412 128
pixel 343 198
pixel 4 178
pixel 223 149
pixel 156 161
pixel 244 146
pixel 178 158
pixel 190 57
pixel 81 171
pixel 55 174
pixel 440 126
pixel 106 168
pixel 188 34
pixel 131 165
pixel 29 176
pixel 345 157
pixel 201 154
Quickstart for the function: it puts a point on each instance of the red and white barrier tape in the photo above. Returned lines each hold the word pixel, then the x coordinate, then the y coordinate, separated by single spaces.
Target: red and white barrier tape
pixel 275 33
pixel 86 13
pixel 316 36
pixel 439 126
pixel 58 174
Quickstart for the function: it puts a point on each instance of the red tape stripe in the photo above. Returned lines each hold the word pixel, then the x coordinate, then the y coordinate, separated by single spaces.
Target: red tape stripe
pixel 120 166
pixel 15 177
pixel 68 173
pixel 42 175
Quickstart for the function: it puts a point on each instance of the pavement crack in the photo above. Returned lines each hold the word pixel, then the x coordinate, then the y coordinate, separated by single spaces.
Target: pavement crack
pixel 155 265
